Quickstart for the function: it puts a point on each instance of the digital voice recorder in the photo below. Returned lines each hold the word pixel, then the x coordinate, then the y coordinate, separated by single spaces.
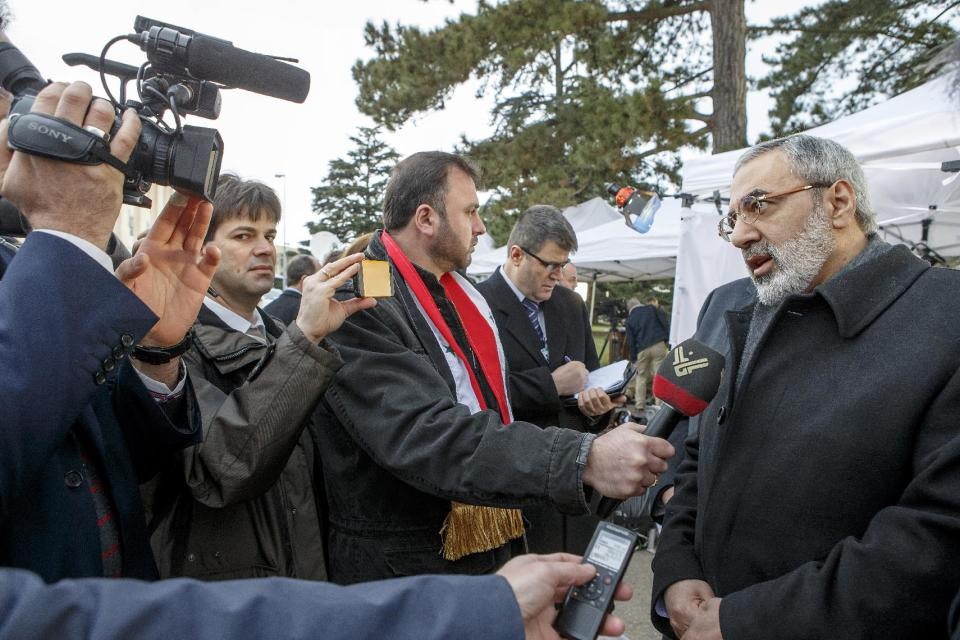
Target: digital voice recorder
pixel 610 550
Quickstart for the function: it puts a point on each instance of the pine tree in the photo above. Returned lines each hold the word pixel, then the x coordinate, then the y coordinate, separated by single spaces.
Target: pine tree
pixel 349 202
pixel 586 92
pixel 845 55
pixel 592 91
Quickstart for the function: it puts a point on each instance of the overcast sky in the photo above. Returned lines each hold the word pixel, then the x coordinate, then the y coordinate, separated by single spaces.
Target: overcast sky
pixel 264 136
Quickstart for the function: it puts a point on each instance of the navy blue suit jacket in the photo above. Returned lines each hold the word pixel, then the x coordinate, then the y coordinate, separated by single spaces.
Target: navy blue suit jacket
pixel 285 306
pixel 66 325
pixel 421 608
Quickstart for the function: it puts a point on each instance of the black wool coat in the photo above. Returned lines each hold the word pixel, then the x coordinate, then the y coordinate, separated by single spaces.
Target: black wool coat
pixel 821 499
pixel 285 306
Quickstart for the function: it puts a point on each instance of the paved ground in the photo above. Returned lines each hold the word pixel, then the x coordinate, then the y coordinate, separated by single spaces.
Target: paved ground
pixel 636 613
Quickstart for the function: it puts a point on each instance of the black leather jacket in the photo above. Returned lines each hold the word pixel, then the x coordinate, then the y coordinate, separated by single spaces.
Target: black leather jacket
pixel 396 448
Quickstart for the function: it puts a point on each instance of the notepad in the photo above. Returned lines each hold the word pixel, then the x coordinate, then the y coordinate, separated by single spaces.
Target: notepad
pixel 612 378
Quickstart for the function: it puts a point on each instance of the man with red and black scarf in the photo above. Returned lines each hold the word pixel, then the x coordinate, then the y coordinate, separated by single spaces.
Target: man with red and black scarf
pixel 424 467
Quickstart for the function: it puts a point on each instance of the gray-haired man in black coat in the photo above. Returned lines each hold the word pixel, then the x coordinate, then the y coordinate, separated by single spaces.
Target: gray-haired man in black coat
pixel 821 498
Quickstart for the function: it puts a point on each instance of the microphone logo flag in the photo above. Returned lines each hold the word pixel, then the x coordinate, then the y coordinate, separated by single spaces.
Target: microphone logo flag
pixel 683 365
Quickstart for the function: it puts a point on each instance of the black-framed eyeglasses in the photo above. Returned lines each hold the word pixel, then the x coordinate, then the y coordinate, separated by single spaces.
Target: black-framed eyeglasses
pixel 751 207
pixel 552 267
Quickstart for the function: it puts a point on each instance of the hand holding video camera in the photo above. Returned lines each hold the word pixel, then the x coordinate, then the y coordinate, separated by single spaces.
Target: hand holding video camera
pixel 80 199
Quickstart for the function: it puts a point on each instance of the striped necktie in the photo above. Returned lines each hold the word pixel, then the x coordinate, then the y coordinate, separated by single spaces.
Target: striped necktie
pixel 533 310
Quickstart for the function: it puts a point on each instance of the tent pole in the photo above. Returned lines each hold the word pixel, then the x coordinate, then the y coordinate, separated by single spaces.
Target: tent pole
pixel 593 297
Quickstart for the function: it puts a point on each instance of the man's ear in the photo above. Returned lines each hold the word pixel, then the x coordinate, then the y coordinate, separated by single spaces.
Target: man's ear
pixel 426 219
pixel 514 255
pixel 840 203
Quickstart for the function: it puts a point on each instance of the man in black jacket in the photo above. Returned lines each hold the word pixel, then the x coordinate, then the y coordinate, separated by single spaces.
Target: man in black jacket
pixel 549 348
pixel 423 466
pixel 821 498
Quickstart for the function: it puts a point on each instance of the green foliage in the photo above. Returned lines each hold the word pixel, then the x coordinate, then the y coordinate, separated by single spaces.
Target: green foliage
pixel 584 94
pixel 349 202
pixel 662 290
pixel 845 55
pixel 587 92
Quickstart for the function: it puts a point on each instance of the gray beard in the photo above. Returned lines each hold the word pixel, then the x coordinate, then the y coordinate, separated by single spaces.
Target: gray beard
pixel 797 260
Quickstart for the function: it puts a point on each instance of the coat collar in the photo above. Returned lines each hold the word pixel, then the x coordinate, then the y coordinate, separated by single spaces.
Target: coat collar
pixel 227 348
pixel 515 319
pixel 859 295
pixel 403 303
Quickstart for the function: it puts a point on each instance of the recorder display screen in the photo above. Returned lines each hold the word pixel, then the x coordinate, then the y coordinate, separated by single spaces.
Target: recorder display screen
pixel 609 550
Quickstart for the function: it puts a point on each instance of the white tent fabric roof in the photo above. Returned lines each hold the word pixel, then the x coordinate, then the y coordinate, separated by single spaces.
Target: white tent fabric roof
pixel 609 250
pixel 613 251
pixel 900 144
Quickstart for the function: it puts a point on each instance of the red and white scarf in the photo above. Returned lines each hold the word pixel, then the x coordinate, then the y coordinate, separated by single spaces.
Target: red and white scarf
pixel 468 528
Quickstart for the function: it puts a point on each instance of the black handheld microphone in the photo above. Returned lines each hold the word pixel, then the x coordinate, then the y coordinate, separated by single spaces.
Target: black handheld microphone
pixel 685 383
pixel 172 48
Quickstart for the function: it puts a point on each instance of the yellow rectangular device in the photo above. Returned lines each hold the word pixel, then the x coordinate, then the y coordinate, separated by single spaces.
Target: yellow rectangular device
pixel 373 280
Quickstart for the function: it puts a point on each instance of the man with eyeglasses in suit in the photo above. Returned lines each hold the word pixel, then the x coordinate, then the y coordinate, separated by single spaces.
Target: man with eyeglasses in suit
pixel 548 343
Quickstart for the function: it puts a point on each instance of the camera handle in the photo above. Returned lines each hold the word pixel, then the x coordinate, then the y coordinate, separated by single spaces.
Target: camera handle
pixel 51 137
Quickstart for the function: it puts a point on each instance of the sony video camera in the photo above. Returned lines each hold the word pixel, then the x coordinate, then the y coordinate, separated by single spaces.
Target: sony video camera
pixel 183 74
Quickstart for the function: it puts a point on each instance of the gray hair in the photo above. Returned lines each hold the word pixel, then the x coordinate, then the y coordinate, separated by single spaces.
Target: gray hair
pixel 541 223
pixel 820 161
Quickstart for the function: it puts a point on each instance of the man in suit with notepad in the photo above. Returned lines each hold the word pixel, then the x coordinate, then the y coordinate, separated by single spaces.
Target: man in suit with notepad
pixel 548 343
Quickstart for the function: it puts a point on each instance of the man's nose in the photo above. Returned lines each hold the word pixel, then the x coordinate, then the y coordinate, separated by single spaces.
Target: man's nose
pixel 264 247
pixel 478 227
pixel 743 234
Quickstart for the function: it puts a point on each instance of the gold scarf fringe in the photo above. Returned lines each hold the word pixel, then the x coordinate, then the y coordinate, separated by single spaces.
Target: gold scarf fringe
pixel 471 529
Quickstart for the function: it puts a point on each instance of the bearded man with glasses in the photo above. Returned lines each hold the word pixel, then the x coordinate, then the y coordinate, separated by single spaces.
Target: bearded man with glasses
pixel 820 497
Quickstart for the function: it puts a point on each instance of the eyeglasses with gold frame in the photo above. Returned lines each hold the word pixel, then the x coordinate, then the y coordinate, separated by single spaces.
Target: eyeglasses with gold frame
pixel 752 206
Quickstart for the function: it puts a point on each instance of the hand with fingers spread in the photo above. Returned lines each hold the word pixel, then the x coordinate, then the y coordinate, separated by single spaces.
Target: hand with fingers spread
pixel 83 200
pixel 320 312
pixel 623 462
pixel 540 581
pixel 172 269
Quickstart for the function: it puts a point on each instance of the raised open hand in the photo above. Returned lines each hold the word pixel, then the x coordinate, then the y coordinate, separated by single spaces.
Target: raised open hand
pixel 172 270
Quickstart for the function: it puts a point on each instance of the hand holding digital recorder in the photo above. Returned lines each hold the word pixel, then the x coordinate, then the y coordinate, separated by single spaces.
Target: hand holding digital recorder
pixel 610 550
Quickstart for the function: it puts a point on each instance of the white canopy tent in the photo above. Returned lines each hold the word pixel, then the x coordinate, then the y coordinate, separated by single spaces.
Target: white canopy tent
pixel 613 251
pixel 609 250
pixel 582 217
pixel 901 144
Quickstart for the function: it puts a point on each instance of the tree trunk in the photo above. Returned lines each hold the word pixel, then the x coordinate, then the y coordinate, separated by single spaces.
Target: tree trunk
pixel 729 122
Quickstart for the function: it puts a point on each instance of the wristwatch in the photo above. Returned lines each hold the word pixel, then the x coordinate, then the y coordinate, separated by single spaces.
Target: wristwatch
pixel 162 355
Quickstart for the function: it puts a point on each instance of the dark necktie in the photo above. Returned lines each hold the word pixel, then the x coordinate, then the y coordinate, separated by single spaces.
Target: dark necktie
pixel 533 309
